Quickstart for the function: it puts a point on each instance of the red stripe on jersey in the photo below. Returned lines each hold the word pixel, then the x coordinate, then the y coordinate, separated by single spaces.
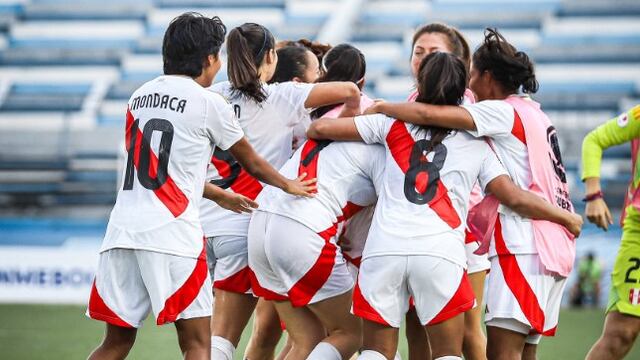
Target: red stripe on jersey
pixel 517 283
pixel 463 300
pixel 518 128
pixel 312 167
pixel 100 311
pixel 238 283
pixel 169 193
pixel 243 184
pixel 303 291
pixel 400 145
pixel 363 309
pixel 187 293
pixel 348 211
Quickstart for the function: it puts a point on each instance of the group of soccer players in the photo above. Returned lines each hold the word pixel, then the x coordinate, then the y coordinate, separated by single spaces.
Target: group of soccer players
pixel 297 198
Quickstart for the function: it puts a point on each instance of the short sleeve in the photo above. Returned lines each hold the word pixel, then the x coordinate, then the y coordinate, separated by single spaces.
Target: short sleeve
pixel 372 128
pixel 221 124
pixel 493 118
pixel 490 169
pixel 292 96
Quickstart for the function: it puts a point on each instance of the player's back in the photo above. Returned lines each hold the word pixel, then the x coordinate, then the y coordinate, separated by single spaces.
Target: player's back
pixel 348 176
pixel 171 125
pixel 425 190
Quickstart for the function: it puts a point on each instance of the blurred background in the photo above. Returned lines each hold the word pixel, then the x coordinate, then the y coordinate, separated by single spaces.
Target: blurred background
pixel 67 69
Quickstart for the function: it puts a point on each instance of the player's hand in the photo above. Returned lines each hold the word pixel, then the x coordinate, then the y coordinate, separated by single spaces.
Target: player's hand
pixel 574 225
pixel 301 187
pixel 598 213
pixel 374 108
pixel 237 203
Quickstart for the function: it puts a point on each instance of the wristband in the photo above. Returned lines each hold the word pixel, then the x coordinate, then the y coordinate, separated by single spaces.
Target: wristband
pixel 594 196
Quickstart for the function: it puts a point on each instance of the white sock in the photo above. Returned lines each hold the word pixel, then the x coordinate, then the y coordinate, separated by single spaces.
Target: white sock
pixel 371 355
pixel 448 357
pixel 221 348
pixel 324 351
pixel 398 357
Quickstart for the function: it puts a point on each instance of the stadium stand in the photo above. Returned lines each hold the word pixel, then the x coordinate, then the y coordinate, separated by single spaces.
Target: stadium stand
pixel 67 69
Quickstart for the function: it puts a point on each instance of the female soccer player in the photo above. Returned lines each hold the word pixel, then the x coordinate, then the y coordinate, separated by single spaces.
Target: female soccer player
pixel 416 242
pixel 152 256
pixel 267 113
pixel 426 40
pixel 622 324
pixel 298 64
pixel 520 308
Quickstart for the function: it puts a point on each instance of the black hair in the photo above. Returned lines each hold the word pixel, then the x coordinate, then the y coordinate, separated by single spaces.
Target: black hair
pixel 318 49
pixel 292 62
pixel 343 62
pixel 247 45
pixel 508 66
pixel 457 42
pixel 442 79
pixel 188 42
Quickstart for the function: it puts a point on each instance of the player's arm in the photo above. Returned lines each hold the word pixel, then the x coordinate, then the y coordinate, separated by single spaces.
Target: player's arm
pixel 531 206
pixel 336 92
pixel 616 131
pixel 260 169
pixel 237 203
pixel 343 128
pixel 453 117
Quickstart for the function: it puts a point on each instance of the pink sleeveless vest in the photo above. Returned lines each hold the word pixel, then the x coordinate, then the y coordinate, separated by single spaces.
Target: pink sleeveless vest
pixel 365 102
pixel 555 244
pixel 633 193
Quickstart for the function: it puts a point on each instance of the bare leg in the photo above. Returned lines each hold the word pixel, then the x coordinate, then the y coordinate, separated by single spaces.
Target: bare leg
pixel 504 344
pixel 530 352
pixel 474 346
pixel 266 332
pixel 380 338
pixel 194 339
pixel 303 327
pixel 117 343
pixel 417 339
pixel 233 312
pixel 285 350
pixel 446 337
pixel 345 330
pixel 619 333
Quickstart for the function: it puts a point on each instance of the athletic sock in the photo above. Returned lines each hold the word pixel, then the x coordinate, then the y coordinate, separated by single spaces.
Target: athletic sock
pixel 371 355
pixel 221 348
pixel 448 357
pixel 324 351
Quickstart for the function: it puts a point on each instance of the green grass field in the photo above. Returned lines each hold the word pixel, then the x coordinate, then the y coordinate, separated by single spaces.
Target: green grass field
pixel 62 332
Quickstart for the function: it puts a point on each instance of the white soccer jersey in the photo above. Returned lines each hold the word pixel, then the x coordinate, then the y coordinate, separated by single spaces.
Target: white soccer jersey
pixel 171 127
pixel 423 203
pixel 269 129
pixel 348 175
pixel 498 120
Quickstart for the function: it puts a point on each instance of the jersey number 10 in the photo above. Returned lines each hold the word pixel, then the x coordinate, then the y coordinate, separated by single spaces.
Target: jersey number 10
pixel 145 156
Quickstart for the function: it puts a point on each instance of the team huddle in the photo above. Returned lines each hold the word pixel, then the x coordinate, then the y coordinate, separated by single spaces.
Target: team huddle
pixel 333 217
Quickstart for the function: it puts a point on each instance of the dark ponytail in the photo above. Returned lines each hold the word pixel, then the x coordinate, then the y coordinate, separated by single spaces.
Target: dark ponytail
pixel 511 68
pixel 442 80
pixel 292 63
pixel 343 62
pixel 247 45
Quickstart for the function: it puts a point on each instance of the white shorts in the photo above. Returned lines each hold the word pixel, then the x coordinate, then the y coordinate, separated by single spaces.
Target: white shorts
pixel 130 283
pixel 476 263
pixel 291 261
pixel 228 263
pixel 440 289
pixel 523 297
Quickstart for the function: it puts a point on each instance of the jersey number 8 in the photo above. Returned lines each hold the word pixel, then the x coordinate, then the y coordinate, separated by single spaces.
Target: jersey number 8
pixel 422 176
